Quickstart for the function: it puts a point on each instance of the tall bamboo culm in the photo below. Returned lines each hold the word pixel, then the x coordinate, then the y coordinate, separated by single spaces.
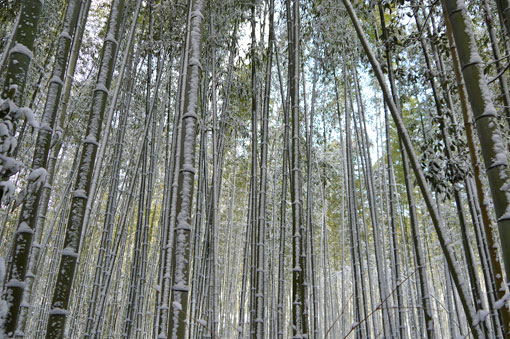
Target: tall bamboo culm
pixel 73 231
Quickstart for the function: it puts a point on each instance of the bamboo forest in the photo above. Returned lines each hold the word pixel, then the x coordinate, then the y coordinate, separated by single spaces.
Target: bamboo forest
pixel 233 169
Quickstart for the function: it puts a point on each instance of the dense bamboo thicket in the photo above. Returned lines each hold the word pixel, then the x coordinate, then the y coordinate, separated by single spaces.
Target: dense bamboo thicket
pixel 254 169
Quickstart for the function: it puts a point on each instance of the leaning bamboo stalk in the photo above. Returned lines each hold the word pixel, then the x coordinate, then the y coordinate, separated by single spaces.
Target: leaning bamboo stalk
pixel 69 255
pixel 113 190
pixel 459 203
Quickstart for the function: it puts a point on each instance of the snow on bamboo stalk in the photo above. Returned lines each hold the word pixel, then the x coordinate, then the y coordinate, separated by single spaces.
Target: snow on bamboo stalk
pixel 70 253
pixel 182 244
pixel 310 243
pixel 450 156
pixel 198 231
pixel 112 197
pixel 261 222
pixel 29 212
pixel 216 180
pixel 19 58
pixel 164 214
pixel 472 319
pixel 494 153
pixel 280 321
pixel 124 202
pixel 56 143
pixel 170 219
pixel 483 204
pixel 253 168
pixel 299 317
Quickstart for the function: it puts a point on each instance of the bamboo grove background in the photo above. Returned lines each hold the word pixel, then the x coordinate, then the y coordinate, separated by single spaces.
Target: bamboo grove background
pixel 262 169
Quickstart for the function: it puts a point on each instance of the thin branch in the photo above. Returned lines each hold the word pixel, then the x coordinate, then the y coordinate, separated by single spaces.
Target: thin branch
pixel 379 307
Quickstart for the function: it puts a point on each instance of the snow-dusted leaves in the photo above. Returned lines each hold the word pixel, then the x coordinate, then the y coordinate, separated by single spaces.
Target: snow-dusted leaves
pixel 28 114
pixel 7 187
pixel 38 177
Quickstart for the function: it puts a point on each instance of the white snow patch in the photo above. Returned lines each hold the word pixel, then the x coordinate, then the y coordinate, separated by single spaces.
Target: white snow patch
pixel 188 168
pixel 38 176
pixel 90 140
pixel 80 194
pixel 180 287
pixel 8 189
pixel 4 131
pixel 190 115
pixel 15 283
pixel 101 87
pixel 480 317
pixel 24 228
pixel 9 145
pixel 10 164
pixel 27 113
pixel 70 252
pixel 8 105
pixel 501 302
pixel 21 49
pixel 110 37
pixel 65 35
pixel 197 14
pixel 499 150
pixel 505 216
pixel 58 311
pixel 56 79
pixel 194 61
